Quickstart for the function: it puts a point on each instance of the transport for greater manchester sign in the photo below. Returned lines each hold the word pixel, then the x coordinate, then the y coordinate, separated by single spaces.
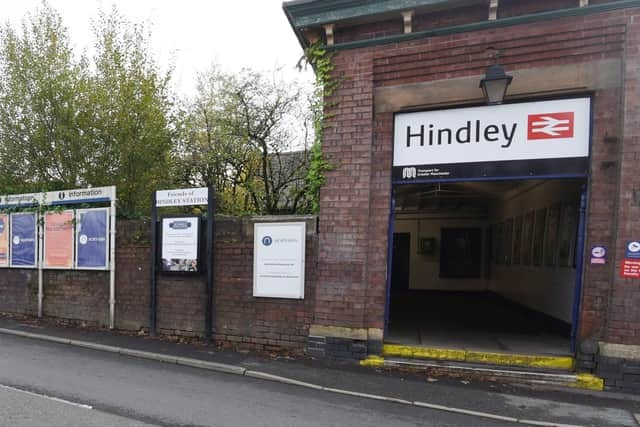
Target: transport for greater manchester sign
pixel 524 139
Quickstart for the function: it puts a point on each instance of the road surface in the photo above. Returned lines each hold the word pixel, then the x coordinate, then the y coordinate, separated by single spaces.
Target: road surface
pixel 48 384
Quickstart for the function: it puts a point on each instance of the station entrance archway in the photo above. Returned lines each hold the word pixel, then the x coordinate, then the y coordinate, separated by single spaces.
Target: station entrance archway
pixel 486 265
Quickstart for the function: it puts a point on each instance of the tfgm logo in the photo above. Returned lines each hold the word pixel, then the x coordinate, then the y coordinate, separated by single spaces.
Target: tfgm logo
pixel 267 240
pixel 409 173
pixel 550 126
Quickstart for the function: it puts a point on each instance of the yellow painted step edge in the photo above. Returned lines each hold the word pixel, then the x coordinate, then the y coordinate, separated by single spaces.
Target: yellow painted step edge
pixel 375 361
pixel 588 382
pixel 534 361
pixel 583 381
pixel 423 352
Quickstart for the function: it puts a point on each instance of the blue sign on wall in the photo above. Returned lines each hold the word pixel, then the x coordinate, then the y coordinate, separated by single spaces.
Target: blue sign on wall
pixel 23 240
pixel 92 231
pixel 633 249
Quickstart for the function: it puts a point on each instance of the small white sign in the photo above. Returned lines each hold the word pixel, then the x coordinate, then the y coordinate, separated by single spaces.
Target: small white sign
pixel 278 259
pixel 182 197
pixel 180 244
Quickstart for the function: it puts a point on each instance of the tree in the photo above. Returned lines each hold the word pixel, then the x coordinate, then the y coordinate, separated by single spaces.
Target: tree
pixel 65 123
pixel 267 114
pixel 42 95
pixel 247 135
pixel 130 114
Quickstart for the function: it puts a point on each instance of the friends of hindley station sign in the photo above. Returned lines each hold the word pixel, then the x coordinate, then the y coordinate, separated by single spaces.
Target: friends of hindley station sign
pixel 524 139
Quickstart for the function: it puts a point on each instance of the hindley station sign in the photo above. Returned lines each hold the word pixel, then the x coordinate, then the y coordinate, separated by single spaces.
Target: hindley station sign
pixel 545 138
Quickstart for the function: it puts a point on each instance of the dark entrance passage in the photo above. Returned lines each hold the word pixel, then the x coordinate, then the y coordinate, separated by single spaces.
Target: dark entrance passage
pixel 492 265
pixel 473 320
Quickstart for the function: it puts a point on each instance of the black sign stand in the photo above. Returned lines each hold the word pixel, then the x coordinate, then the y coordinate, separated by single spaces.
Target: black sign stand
pixel 153 300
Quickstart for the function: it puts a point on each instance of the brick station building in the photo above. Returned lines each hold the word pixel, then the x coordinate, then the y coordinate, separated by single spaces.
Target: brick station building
pixel 450 223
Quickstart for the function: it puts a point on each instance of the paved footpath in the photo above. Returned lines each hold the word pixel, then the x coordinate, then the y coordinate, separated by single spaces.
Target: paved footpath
pixel 142 391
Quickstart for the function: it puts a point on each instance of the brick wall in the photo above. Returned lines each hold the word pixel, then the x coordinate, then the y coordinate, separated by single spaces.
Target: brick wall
pixel 355 201
pixel 240 320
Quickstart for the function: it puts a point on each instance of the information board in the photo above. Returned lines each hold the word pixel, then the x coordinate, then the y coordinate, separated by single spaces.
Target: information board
pixel 23 240
pixel 4 240
pixel 92 243
pixel 58 239
pixel 279 258
pixel 180 244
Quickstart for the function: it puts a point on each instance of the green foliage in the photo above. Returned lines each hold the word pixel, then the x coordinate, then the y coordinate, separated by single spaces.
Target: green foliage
pixel 129 120
pixel 245 135
pixel 68 122
pixel 41 90
pixel 325 86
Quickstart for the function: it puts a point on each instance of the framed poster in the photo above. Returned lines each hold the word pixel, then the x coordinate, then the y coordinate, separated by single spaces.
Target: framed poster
pixel 567 235
pixel 507 237
pixel 92 239
pixel 517 240
pixel 499 243
pixel 551 238
pixel 527 236
pixel 461 253
pixel 4 240
pixel 24 235
pixel 180 243
pixel 492 241
pixel 538 236
pixel 58 239
pixel 279 259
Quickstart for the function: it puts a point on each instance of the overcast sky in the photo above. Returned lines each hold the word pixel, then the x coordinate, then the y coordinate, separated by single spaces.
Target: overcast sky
pixel 195 33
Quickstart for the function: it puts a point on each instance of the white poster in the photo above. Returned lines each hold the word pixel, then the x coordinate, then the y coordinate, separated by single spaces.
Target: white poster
pixel 520 139
pixel 278 260
pixel 180 244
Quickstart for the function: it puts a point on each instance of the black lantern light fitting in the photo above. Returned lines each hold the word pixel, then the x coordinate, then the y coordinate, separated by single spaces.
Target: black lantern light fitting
pixel 495 82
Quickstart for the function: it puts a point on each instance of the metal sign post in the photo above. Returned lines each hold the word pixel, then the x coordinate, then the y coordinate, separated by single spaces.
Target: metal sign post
pixel 182 197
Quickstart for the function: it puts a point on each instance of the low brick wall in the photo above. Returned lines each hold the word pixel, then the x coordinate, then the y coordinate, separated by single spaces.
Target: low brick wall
pixel 239 319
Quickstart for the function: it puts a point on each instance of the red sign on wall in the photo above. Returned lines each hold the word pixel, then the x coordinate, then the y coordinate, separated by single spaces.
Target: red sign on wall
pixel 550 126
pixel 630 269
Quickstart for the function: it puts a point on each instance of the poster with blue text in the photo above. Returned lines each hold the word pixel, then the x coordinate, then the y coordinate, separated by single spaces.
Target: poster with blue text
pixel 92 239
pixel 23 239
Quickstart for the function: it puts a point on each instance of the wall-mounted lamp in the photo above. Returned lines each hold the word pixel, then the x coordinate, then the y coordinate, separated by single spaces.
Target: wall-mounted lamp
pixel 495 82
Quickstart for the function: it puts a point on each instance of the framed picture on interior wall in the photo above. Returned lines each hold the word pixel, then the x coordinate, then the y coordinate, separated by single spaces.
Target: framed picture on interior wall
pixel 527 236
pixel 493 243
pixel 507 241
pixel 551 237
pixel 538 236
pixel 567 235
pixel 499 246
pixel 517 240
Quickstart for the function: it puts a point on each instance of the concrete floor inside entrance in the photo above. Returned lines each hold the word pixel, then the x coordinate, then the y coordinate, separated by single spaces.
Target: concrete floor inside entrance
pixel 479 321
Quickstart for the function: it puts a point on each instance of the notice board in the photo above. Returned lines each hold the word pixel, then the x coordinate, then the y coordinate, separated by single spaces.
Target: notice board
pixel 58 239
pixel 92 243
pixel 278 260
pixel 180 244
pixel 24 239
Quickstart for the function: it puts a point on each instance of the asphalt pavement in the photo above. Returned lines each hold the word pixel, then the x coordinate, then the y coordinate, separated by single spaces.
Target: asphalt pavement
pixel 96 388
pixel 123 390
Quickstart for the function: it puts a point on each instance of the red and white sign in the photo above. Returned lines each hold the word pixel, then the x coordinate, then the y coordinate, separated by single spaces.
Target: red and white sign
pixel 550 126
pixel 630 269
